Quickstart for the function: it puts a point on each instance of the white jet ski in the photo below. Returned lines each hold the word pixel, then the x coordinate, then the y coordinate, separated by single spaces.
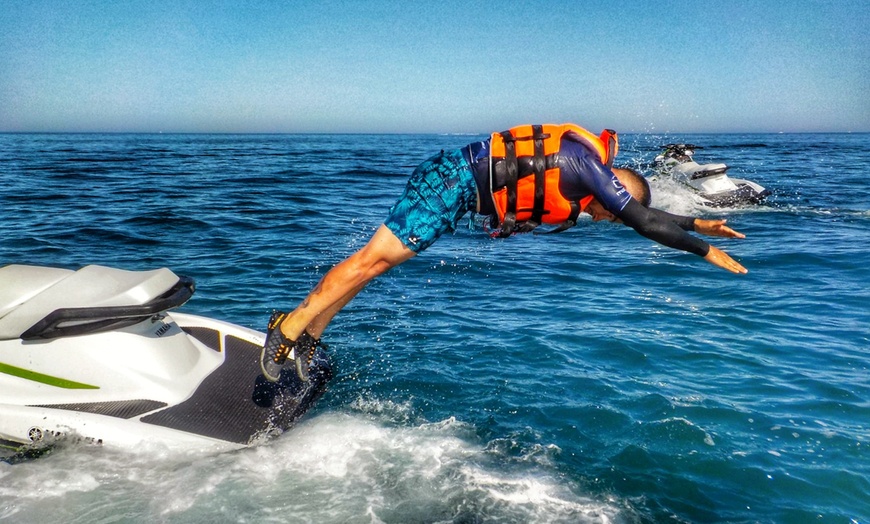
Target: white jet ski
pixel 94 355
pixel 709 181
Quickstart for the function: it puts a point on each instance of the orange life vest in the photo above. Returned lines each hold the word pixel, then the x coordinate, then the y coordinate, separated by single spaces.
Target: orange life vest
pixel 524 175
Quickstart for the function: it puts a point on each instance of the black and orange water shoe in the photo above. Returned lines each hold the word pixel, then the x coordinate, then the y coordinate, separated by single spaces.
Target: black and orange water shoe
pixel 303 354
pixel 276 349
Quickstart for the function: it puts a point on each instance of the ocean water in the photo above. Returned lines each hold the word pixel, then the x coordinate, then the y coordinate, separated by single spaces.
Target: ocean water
pixel 591 376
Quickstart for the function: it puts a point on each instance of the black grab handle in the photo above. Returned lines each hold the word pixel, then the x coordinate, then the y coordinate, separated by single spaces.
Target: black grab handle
pixel 96 319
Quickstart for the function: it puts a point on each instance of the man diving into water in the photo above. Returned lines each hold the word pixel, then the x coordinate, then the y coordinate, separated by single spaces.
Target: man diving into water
pixel 522 177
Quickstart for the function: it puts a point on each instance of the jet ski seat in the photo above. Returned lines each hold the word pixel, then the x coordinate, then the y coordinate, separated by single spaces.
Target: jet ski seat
pixel 705 170
pixel 40 302
pixel 18 284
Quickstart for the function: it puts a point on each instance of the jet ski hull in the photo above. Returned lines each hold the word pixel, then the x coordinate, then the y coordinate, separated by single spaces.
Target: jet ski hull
pixel 746 193
pixel 710 181
pixel 176 380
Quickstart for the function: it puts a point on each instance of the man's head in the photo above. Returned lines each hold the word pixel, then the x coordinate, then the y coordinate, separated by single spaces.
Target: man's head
pixel 636 185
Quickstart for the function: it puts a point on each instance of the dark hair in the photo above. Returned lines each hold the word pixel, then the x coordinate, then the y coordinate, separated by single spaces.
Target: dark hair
pixel 640 183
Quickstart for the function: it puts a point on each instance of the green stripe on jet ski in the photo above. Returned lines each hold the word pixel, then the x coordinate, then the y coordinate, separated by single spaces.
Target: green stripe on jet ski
pixel 43 379
pixel 8 444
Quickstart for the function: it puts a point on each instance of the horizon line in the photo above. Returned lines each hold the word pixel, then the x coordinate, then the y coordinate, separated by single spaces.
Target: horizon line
pixel 434 133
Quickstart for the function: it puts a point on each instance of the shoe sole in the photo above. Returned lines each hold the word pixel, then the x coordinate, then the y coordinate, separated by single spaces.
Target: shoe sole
pixel 269 377
pixel 300 368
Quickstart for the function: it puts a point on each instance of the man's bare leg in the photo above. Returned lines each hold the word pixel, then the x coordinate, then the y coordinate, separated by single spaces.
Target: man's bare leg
pixel 317 326
pixel 338 287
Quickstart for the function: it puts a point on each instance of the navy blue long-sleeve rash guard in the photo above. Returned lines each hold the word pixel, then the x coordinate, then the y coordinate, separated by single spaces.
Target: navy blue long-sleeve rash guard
pixel 581 175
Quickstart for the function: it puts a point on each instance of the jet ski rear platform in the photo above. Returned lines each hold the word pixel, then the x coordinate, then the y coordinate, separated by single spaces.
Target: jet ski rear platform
pixel 94 354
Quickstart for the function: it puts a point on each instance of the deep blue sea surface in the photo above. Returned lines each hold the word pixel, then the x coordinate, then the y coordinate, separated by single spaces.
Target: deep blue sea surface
pixel 591 376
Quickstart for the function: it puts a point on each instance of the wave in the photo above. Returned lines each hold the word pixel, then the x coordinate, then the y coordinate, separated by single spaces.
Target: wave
pixel 738 145
pixel 331 468
pixel 365 171
pixel 115 236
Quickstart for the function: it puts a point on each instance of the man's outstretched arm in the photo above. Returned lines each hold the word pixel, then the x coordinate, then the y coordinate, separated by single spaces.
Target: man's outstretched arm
pixel 719 258
pixel 670 230
pixel 713 228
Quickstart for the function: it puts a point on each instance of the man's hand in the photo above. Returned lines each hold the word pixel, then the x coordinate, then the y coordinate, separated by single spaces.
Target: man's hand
pixel 716 228
pixel 719 258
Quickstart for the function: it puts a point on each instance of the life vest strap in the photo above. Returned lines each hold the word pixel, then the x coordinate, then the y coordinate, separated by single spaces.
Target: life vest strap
pixel 611 144
pixel 539 165
pixel 511 176
pixel 569 222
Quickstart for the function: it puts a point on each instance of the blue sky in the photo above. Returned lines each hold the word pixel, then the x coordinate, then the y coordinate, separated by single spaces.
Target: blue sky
pixel 434 66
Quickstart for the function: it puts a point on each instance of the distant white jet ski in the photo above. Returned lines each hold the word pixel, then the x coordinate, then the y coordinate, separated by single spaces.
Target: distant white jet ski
pixel 94 354
pixel 709 181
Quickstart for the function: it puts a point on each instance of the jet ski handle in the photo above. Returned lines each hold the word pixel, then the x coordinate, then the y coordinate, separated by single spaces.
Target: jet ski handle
pixel 81 320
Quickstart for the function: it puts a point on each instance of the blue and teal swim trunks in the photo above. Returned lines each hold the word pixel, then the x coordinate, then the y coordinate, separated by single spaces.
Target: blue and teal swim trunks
pixel 439 193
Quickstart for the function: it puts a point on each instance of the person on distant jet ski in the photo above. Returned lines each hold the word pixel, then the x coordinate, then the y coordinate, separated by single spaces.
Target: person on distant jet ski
pixel 522 177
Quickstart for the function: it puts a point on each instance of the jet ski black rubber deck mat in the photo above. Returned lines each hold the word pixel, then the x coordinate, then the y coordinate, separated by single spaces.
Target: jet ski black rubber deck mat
pixel 236 404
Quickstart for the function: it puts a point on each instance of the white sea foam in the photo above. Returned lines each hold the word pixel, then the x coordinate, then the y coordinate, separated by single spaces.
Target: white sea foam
pixel 332 468
pixel 674 197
